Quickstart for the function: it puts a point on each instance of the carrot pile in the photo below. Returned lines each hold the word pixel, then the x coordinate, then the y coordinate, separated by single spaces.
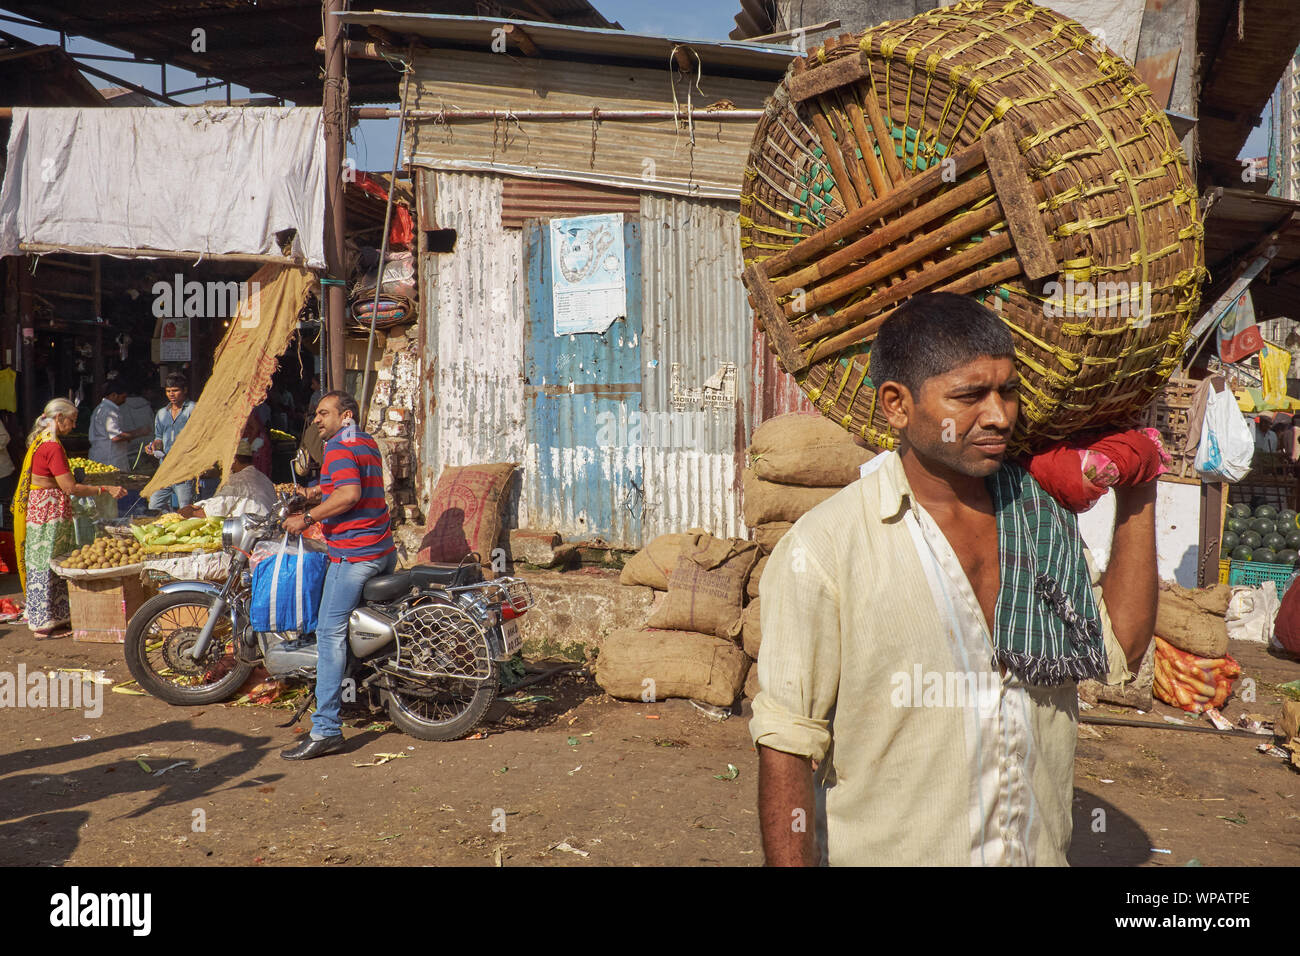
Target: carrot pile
pixel 1190 682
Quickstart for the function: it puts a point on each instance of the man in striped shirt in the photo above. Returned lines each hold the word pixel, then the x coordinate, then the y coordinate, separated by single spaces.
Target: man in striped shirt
pixel 349 504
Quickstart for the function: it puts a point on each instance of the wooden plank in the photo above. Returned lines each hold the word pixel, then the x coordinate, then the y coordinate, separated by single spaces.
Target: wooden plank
pixel 773 319
pixel 942 204
pixel 1016 196
pixel 822 79
pixel 916 187
pixel 989 275
pixel 831 153
pixel 891 263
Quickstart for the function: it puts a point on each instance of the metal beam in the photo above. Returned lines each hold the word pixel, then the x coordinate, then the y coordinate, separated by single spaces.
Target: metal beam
pixel 80 27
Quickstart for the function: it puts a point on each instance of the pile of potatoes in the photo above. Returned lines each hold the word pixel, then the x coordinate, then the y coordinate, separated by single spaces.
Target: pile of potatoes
pixel 105 552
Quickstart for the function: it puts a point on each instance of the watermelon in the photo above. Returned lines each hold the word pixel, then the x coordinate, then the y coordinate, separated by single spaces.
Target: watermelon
pixel 1274 541
pixel 1286 517
pixel 1262 526
pixel 1266 511
pixel 1252 539
pixel 1289 556
pixel 1241 511
pixel 1293 540
pixel 1264 556
pixel 1241 553
pixel 1230 541
pixel 1240 525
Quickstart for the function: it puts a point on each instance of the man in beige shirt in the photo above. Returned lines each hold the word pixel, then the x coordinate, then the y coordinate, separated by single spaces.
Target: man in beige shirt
pixel 935 738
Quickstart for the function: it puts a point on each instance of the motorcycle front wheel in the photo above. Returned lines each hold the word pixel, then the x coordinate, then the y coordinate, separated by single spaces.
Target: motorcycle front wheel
pixel 168 624
pixel 443 709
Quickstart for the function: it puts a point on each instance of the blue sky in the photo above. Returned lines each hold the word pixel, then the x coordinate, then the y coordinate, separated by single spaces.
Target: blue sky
pixel 373 149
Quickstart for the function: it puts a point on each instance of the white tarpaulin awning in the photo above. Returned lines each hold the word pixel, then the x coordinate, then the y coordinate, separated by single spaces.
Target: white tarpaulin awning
pixel 208 180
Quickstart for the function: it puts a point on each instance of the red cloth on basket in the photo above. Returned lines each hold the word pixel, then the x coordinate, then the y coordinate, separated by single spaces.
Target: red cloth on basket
pixel 1077 473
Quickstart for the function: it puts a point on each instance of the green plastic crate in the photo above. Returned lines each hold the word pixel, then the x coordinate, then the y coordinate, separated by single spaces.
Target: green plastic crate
pixel 1255 573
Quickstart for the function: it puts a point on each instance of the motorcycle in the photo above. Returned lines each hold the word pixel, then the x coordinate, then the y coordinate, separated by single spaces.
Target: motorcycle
pixel 428 642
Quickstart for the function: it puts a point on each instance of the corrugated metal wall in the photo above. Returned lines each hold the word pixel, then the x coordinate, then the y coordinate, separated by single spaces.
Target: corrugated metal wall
pixel 696 322
pixel 647 155
pixel 474 332
pixel 696 346
pixel 774 392
pixel 582 478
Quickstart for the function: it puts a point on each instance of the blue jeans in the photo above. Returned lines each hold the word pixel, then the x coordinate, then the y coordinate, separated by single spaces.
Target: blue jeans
pixel 161 499
pixel 340 596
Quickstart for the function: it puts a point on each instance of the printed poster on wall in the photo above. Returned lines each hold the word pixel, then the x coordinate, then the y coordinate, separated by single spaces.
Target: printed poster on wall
pixel 588 273
pixel 173 340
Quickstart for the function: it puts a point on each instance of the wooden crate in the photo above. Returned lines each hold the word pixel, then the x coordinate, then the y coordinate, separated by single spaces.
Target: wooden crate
pixel 1167 414
pixel 102 607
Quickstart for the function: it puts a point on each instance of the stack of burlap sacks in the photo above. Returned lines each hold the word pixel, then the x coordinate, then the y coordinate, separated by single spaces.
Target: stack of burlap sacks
pixel 705 634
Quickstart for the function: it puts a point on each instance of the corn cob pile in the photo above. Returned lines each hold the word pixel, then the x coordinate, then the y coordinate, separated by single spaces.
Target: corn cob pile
pixel 172 533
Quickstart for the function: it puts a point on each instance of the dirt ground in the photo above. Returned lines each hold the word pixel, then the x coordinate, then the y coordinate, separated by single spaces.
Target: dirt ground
pixel 578 781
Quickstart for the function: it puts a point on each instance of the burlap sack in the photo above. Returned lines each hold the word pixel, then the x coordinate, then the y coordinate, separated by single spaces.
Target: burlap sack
pixel 651 566
pixel 241 374
pixel 811 450
pixel 751 589
pixel 751 682
pixel 650 665
pixel 706 590
pixel 767 535
pixel 767 501
pixel 751 630
pixel 465 512
pixel 1192 620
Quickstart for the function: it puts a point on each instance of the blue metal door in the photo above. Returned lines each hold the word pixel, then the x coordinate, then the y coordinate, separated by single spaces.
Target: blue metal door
pixel 583 395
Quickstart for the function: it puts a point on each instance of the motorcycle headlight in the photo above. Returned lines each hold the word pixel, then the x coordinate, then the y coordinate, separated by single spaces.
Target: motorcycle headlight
pixel 232 532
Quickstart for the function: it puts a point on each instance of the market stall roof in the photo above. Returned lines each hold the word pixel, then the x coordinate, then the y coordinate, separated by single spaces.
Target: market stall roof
pixel 591 44
pixel 33 75
pixel 1240 224
pixel 1241 61
pixel 268 47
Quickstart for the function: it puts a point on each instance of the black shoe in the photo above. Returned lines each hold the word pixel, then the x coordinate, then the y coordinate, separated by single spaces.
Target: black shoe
pixel 311 747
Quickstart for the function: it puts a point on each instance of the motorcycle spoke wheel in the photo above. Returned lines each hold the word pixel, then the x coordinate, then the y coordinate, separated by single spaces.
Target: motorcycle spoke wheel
pixel 163 629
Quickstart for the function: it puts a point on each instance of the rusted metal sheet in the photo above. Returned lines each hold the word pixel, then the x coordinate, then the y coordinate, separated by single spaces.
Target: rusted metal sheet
pixel 474 334
pixel 642 155
pixel 545 198
pixel 695 352
pixel 582 477
pixel 774 392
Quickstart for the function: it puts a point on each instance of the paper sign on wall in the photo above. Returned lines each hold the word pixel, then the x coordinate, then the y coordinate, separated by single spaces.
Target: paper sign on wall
pixel 588 273
pixel 173 340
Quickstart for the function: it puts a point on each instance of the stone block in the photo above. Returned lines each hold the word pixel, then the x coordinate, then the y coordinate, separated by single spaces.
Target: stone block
pixel 574 612
pixel 533 547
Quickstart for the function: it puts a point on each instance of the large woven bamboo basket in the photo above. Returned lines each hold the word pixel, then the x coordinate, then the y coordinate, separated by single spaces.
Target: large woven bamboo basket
pixel 994 149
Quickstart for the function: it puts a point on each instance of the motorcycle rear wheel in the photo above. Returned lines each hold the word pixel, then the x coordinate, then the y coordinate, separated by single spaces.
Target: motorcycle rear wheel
pixel 454 710
pixel 168 623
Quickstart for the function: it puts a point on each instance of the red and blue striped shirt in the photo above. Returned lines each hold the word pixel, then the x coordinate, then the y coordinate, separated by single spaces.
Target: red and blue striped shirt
pixel 362 533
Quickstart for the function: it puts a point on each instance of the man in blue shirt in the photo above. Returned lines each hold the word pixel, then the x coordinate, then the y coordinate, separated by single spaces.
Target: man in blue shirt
pixel 167 424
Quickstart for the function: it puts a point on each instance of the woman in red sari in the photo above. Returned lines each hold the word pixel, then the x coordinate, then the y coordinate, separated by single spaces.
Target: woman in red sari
pixel 43 521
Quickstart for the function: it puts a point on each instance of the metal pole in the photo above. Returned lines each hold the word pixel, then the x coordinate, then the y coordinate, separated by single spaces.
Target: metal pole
pixel 335 104
pixel 383 242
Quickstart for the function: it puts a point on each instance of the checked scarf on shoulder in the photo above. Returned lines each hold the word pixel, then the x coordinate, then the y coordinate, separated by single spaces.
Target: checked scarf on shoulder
pixel 1047 625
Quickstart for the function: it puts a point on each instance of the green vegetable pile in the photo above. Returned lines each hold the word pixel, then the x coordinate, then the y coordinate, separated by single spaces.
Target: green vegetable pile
pixel 171 532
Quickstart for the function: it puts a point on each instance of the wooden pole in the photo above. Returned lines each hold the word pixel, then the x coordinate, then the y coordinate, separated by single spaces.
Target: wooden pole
pixel 335 105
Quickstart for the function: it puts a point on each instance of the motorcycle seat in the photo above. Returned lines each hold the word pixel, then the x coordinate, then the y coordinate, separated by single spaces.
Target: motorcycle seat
pixel 386 587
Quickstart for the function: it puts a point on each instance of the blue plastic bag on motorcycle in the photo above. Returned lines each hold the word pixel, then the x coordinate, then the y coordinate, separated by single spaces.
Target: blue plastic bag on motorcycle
pixel 287 588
